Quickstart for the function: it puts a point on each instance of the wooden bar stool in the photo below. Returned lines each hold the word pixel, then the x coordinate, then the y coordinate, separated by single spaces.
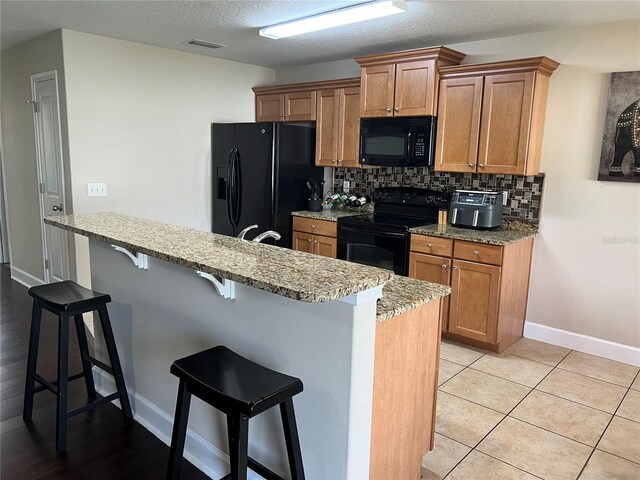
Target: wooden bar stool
pixel 241 389
pixel 68 299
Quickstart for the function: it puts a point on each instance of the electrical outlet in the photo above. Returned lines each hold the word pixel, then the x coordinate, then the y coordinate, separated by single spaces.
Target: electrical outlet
pixel 97 189
pixel 345 186
pixel 504 198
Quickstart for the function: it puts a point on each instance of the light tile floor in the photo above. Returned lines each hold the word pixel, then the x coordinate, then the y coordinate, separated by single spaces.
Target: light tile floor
pixel 535 411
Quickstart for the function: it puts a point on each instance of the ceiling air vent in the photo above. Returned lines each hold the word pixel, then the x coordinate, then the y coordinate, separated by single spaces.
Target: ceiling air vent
pixel 204 43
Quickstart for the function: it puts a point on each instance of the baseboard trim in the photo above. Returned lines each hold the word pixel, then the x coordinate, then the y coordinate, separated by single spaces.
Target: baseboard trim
pixel 583 343
pixel 201 453
pixel 25 278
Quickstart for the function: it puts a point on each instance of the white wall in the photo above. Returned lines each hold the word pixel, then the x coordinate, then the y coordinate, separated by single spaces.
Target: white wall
pixel 39 55
pixel 586 266
pixel 139 120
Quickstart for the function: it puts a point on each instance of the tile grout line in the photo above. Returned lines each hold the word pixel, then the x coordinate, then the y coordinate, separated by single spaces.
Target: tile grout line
pixel 595 378
pixel 527 422
pixel 607 428
pixel 553 368
pixel 507 415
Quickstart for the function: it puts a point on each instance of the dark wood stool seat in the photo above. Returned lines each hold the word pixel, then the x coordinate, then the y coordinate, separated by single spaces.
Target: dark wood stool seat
pixel 68 299
pixel 68 296
pixel 241 389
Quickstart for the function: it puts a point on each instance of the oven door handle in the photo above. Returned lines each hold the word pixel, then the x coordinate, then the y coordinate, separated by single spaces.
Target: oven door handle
pixel 372 232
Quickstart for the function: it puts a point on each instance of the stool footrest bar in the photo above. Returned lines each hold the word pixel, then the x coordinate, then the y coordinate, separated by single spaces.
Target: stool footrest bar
pixel 100 365
pixel 262 470
pixel 51 386
pixel 92 405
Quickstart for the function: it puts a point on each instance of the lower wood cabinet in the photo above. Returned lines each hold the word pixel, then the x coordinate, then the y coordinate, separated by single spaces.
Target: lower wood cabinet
pixel 489 287
pixel 318 244
pixel 433 269
pixel 315 236
pixel 475 290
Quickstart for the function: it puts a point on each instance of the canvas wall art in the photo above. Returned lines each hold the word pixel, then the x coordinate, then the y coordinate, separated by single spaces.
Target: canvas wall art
pixel 620 158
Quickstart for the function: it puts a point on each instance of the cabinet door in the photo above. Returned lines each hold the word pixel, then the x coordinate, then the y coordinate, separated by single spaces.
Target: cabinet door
pixel 327 126
pixel 300 106
pixel 506 116
pixel 325 246
pixel 349 127
pixel 458 124
pixel 415 88
pixel 269 108
pixel 433 269
pixel 376 97
pixel 303 242
pixel 473 311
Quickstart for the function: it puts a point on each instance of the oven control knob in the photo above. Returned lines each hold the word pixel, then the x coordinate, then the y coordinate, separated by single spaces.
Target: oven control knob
pixel 430 199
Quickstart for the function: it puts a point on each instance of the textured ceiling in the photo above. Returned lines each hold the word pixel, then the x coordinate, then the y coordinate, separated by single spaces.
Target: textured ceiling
pixel 236 23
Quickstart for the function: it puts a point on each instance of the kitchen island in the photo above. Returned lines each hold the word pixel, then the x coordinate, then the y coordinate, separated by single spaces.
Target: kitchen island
pixel 369 371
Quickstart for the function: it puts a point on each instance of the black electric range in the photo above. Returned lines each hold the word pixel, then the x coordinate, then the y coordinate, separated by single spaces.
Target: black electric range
pixel 381 239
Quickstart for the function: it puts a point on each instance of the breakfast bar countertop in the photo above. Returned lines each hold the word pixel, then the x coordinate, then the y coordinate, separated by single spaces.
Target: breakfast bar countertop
pixel 511 231
pixel 330 215
pixel 403 294
pixel 292 274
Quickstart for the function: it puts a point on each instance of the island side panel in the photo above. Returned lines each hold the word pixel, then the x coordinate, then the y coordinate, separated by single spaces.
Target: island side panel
pixel 167 312
pixel 404 392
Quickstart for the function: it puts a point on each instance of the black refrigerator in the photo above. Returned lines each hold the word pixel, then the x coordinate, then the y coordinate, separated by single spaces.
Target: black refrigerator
pixel 260 173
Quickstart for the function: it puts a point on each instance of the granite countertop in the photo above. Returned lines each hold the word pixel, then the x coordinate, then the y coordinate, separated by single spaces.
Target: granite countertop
pixel 297 275
pixel 329 215
pixel 403 294
pixel 511 231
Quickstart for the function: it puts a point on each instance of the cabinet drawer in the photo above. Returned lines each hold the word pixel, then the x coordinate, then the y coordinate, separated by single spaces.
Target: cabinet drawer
pixel 318 227
pixel 432 245
pixel 478 252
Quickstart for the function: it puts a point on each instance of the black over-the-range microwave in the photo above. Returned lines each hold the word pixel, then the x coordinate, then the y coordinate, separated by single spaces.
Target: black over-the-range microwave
pixel 398 141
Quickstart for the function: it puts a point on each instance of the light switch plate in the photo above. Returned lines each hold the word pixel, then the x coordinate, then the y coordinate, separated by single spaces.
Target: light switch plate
pixel 346 184
pixel 97 189
pixel 504 198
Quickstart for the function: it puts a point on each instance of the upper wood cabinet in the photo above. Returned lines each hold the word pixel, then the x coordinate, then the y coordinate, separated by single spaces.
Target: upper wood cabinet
pixel 403 83
pixel 338 125
pixel 491 116
pixel 286 103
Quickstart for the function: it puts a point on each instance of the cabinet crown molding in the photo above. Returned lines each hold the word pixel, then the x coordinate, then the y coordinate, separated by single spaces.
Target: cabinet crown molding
pixel 308 86
pixel 542 65
pixel 445 55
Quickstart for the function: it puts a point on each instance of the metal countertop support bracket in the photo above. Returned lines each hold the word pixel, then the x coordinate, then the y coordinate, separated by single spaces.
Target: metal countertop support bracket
pixel 226 288
pixel 140 260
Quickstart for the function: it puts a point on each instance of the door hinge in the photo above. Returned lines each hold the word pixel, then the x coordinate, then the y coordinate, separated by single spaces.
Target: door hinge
pixel 41 187
pixel 46 264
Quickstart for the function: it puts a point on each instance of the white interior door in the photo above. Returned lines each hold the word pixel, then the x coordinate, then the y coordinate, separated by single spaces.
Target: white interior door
pixel 44 89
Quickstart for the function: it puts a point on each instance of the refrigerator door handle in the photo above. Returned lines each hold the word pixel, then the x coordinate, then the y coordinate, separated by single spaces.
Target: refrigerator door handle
pixel 228 187
pixel 238 186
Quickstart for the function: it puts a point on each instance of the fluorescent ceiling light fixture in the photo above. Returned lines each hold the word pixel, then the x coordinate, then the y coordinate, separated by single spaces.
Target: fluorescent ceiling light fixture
pixel 335 18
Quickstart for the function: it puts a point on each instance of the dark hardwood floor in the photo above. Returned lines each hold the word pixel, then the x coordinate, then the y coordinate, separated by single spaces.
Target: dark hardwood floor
pixel 99 444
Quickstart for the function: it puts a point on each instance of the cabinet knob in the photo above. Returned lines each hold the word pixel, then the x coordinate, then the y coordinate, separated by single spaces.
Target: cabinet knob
pixel 455 268
pixel 471 164
pixel 475 252
pixel 313 226
pixel 309 240
pixel 388 109
pixel 481 165
pixel 333 161
pixel 315 241
pixel 444 265
pixel 396 109
pixel 429 245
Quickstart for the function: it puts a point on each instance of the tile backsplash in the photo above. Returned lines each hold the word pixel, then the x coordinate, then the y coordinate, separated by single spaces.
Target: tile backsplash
pixel 524 192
